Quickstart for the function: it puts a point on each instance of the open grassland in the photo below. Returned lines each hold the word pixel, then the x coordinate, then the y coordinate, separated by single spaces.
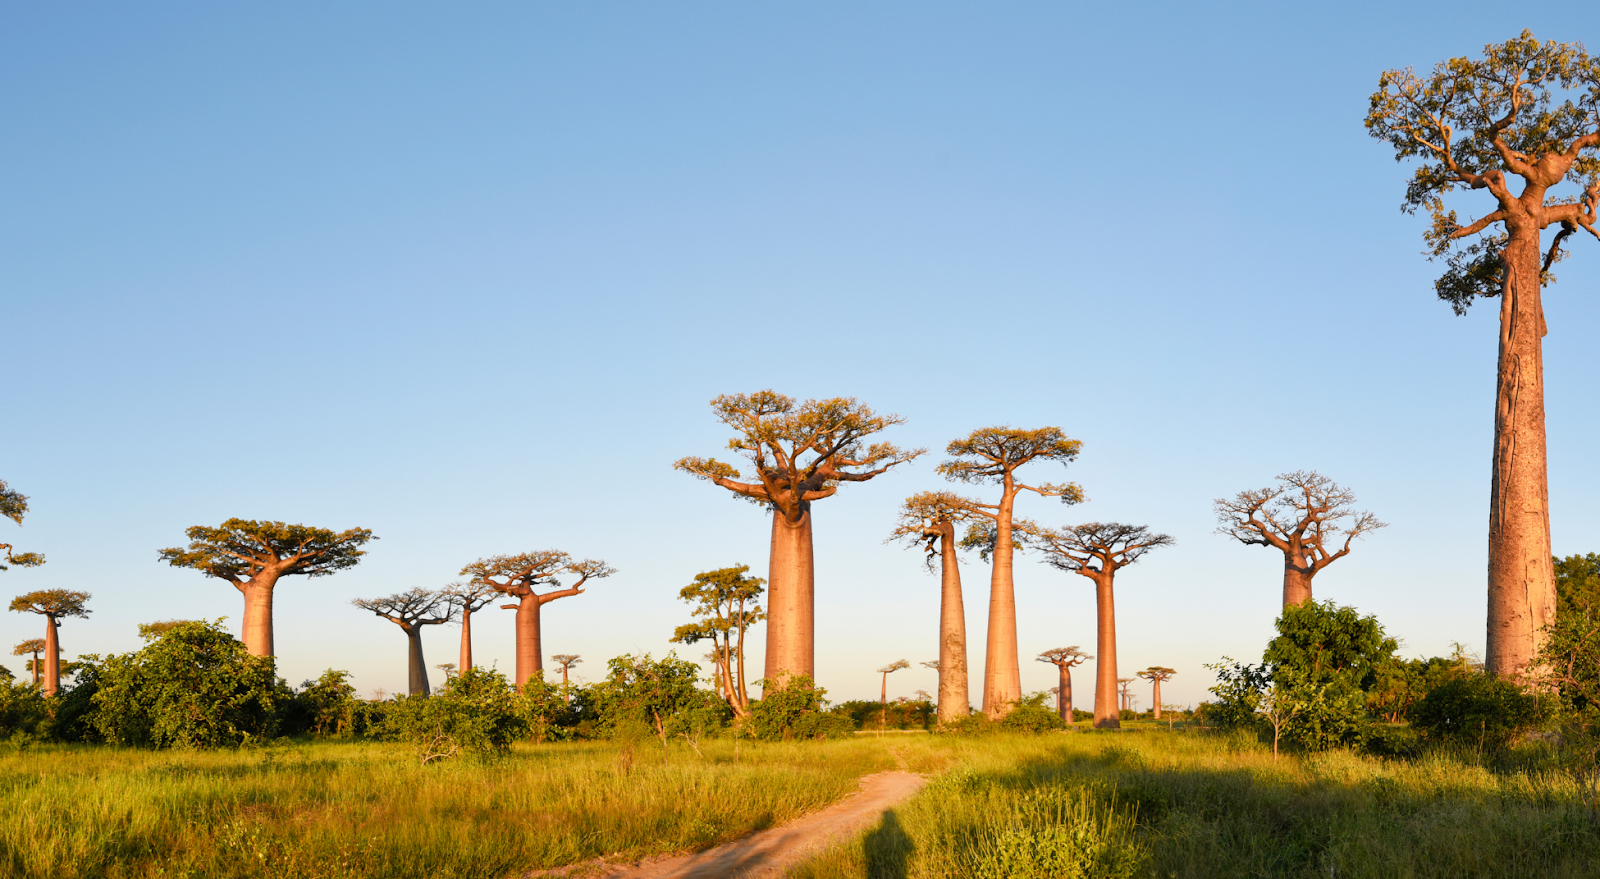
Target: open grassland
pixel 369 810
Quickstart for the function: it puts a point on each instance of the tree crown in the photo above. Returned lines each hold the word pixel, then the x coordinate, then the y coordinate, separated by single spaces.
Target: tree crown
pixel 29 647
pixel 520 575
pixel 1304 511
pixel 926 517
pixel 13 505
pixel 152 631
pixel 240 549
pixel 1110 545
pixel 1156 673
pixel 413 607
pixel 894 666
pixel 470 596
pixel 53 603
pixel 1065 657
pixel 991 455
pixel 723 601
pixel 566 660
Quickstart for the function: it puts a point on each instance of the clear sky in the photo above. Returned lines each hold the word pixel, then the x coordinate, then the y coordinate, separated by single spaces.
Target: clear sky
pixel 469 275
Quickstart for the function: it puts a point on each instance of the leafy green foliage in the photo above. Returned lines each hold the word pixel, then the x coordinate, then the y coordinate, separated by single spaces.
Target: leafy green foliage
pixel 241 548
pixel 1478 711
pixel 196 687
pixel 475 712
pixel 795 709
pixel 53 603
pixel 23 710
pixel 723 602
pixel 329 705
pixel 658 695
pixel 13 506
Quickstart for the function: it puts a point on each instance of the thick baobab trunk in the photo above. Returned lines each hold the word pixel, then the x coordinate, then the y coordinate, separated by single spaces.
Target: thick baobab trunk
pixel 466 639
pixel 1002 674
pixel 256 633
pixel 1296 584
pixel 1522 595
pixel 791 599
pixel 36 668
pixel 954 702
pixel 1106 715
pixel 530 650
pixel 416 668
pixel 1155 696
pixel 1064 694
pixel 52 656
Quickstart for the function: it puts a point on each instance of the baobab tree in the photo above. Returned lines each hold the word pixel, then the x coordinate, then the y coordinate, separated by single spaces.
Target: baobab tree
pixel 53 605
pixel 34 646
pixel 725 606
pixel 1155 674
pixel 1303 516
pixel 254 556
pixel 1064 659
pixel 411 610
pixel 798 454
pixel 928 520
pixel 1524 111
pixel 1127 697
pixel 887 670
pixel 520 576
pixel 992 456
pixel 566 661
pixel 1098 550
pixel 14 505
pixel 467 599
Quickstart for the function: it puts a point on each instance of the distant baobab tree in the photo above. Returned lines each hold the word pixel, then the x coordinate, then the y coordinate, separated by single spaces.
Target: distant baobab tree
pixel 14 505
pixel 450 669
pixel 724 601
pixel 566 661
pixel 53 605
pixel 798 454
pixel 152 631
pixel 1526 109
pixel 992 456
pixel 1303 517
pixel 1064 659
pixel 34 646
pixel 411 610
pixel 928 520
pixel 887 670
pixel 1127 697
pixel 1098 550
pixel 468 599
pixel 1155 674
pixel 253 556
pixel 520 576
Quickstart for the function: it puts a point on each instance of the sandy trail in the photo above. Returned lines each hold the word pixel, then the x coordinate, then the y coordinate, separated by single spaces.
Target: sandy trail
pixel 774 851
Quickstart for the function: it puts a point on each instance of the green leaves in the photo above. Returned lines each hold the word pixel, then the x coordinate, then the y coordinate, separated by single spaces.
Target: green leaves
pixel 987 455
pixel 54 603
pixel 242 548
pixel 13 505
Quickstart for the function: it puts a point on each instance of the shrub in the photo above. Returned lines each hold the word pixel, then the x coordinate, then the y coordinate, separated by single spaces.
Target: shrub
pixel 328 705
pixel 1479 712
pixel 23 712
pixel 1028 715
pixel 475 712
pixel 795 711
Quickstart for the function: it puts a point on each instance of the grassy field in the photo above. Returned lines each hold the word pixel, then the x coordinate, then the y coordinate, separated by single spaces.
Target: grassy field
pixel 1141 803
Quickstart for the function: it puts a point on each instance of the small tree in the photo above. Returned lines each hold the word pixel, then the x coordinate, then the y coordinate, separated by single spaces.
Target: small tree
pixel 1064 659
pixel 799 455
pixel 724 601
pixel 14 505
pixel 887 670
pixel 53 605
pixel 1155 674
pixel 1127 698
pixel 1279 704
pixel 566 661
pixel 254 556
pixel 1303 517
pixel 330 703
pixel 467 599
pixel 927 520
pixel 411 610
pixel 521 576
pixel 152 631
pixel 34 646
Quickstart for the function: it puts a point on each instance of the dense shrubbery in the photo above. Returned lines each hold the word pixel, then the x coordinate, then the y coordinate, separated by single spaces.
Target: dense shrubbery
pixel 1479 712
pixel 899 714
pixel 797 709
pixel 475 712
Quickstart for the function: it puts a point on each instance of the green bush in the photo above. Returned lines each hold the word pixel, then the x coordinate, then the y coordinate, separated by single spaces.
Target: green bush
pixel 327 706
pixel 795 711
pixel 475 712
pixel 1030 714
pixel 23 710
pixel 1479 712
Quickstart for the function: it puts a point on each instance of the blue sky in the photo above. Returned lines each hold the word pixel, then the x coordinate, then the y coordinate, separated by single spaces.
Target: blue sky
pixel 469 277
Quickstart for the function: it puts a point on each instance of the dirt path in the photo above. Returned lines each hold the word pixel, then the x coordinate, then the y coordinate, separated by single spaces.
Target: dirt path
pixel 771 852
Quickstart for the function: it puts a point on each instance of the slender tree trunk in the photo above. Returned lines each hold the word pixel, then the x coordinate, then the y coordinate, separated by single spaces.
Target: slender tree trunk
pixel 743 692
pixel 36 668
pixel 1156 695
pixel 1521 573
pixel 1296 584
pixel 466 638
pixel 566 694
pixel 1106 715
pixel 791 599
pixel 884 700
pixel 416 668
pixel 257 629
pixel 52 656
pixel 530 650
pixel 954 701
pixel 1002 674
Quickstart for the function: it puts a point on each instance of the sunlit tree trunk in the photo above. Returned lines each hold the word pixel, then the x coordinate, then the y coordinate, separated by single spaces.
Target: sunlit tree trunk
pixel 1155 696
pixel 1106 715
pixel 415 666
pixel 954 701
pixel 791 598
pixel 1064 693
pixel 466 638
pixel 256 633
pixel 1296 584
pixel 1002 674
pixel 52 656
pixel 530 651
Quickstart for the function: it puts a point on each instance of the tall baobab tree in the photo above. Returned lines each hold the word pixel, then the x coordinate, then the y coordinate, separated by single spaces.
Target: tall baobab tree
pixel 725 604
pixel 928 520
pixel 566 661
pixel 1524 111
pixel 53 605
pixel 1098 550
pixel 1127 697
pixel 798 454
pixel 34 646
pixel 411 610
pixel 14 505
pixel 992 456
pixel 887 670
pixel 521 576
pixel 1303 516
pixel 1064 659
pixel 467 599
pixel 254 556
pixel 1155 674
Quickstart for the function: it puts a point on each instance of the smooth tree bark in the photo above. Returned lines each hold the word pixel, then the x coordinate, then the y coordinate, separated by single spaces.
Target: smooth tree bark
pixel 928 520
pixel 54 605
pixel 1303 517
pixel 13 506
pixel 1064 659
pixel 798 455
pixel 887 670
pixel 411 611
pixel 34 647
pixel 992 456
pixel 467 599
pixel 1155 674
pixel 566 661
pixel 254 556
pixel 520 577
pixel 1098 550
pixel 1523 114
pixel 724 604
